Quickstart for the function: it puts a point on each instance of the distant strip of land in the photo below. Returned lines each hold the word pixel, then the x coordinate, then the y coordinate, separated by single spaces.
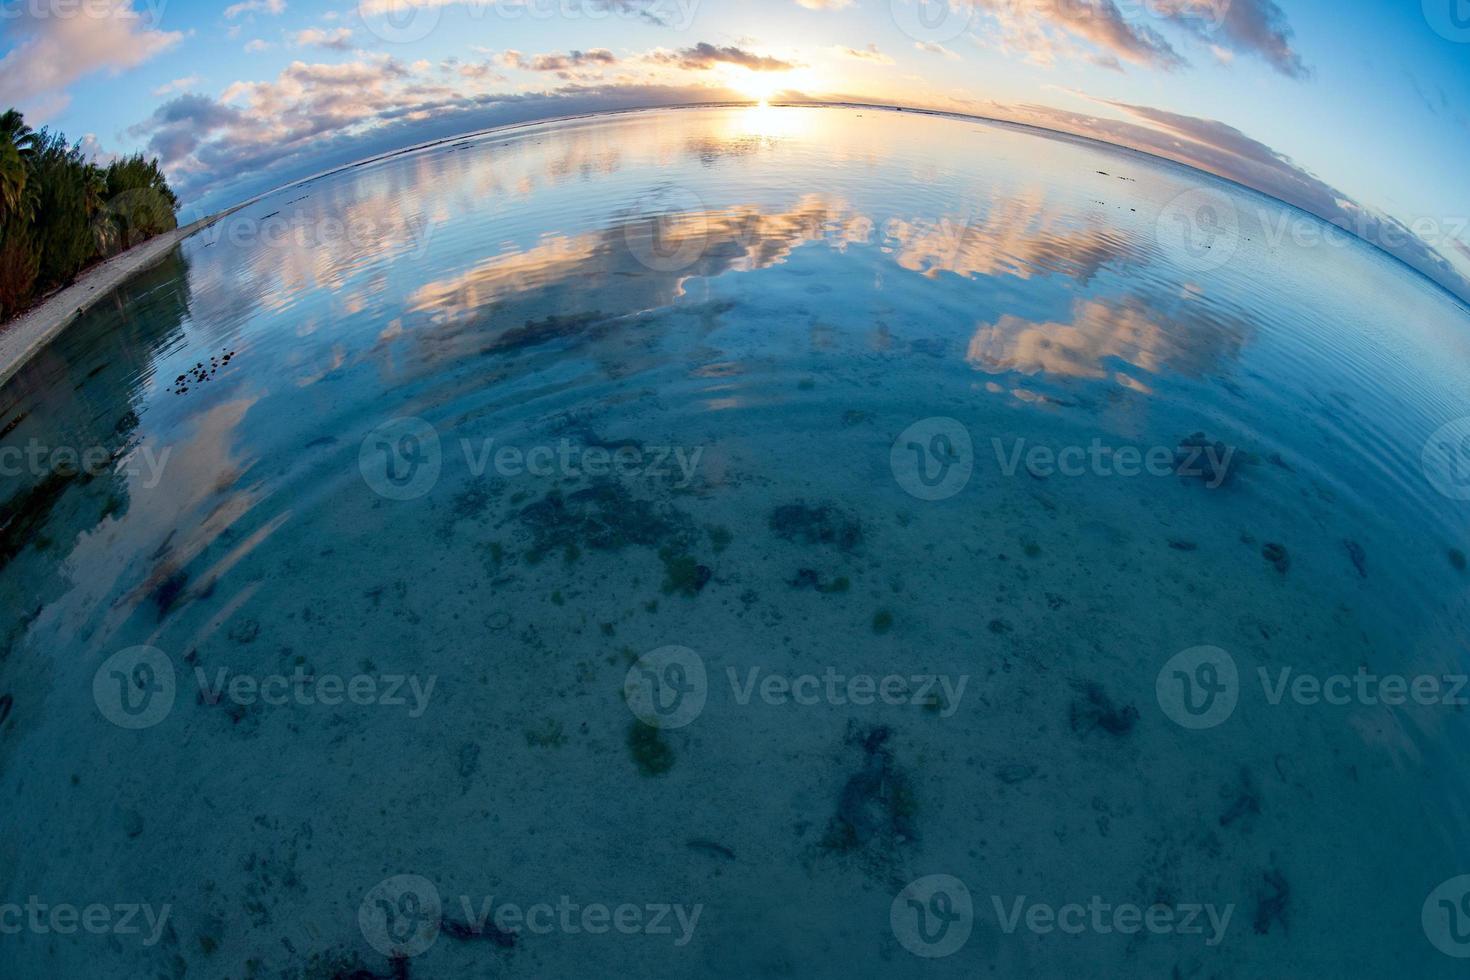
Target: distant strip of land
pixel 25 336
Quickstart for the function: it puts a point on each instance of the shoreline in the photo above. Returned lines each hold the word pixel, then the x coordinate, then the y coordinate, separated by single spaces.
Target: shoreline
pixel 28 334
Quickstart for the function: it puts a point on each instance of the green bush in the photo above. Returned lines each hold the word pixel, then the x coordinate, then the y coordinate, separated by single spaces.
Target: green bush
pixel 59 213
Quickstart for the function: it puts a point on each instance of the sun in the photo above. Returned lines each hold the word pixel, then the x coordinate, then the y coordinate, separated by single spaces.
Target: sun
pixel 759 85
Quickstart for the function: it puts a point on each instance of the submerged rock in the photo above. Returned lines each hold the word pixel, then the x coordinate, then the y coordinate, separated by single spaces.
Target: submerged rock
pixel 1094 709
pixel 604 517
pixel 1209 461
pixel 823 524
pixel 650 752
pixel 1271 901
pixel 1277 556
pixel 876 807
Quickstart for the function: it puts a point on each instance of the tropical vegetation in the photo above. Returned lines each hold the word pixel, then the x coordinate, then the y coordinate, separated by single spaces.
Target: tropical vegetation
pixel 60 212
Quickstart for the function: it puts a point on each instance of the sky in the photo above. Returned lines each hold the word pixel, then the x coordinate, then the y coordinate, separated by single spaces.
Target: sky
pixel 1357 112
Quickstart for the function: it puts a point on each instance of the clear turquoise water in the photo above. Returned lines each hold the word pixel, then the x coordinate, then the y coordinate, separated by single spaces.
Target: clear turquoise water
pixel 775 297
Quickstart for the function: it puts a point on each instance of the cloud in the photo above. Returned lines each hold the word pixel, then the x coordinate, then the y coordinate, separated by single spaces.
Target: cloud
pixel 1095 30
pixel 177 85
pixel 312 116
pixel 1221 149
pixel 825 4
pixel 1255 27
pixel 93 151
pixel 255 7
pixel 870 53
pixel 50 53
pixel 704 56
pixel 256 46
pixel 336 39
pixel 564 65
pixel 678 14
pixel 932 47
pixel 1043 31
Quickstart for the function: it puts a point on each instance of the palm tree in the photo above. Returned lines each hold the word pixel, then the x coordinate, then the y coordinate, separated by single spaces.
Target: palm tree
pixel 17 149
pixel 94 195
pixel 14 201
pixel 13 129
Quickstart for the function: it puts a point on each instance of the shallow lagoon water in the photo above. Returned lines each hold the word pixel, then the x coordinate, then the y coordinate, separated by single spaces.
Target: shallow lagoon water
pixel 481 430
